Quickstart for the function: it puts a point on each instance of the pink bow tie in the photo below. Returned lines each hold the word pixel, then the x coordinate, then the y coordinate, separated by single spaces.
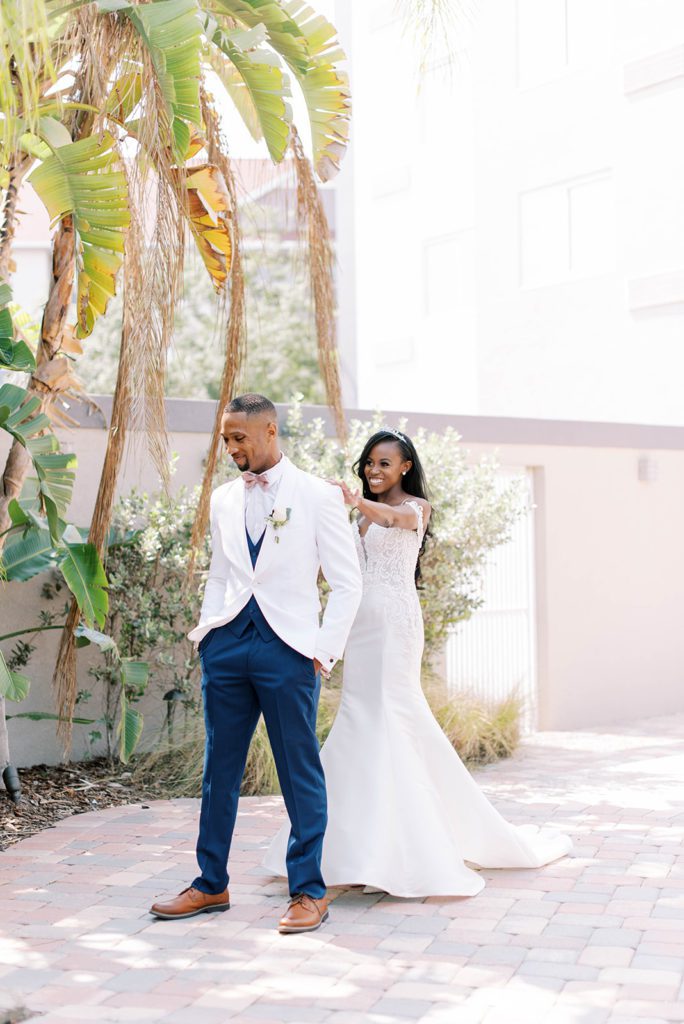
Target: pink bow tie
pixel 255 478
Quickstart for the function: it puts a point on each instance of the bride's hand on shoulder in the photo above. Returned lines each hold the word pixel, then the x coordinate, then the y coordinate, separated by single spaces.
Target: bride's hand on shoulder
pixel 350 497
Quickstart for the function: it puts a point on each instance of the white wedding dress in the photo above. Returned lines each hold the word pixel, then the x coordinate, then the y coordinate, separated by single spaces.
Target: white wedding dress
pixel 404 814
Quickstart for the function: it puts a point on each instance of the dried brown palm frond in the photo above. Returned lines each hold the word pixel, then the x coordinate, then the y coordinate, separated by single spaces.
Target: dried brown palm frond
pixel 156 188
pixel 64 678
pixel 315 231
pixel 235 330
pixel 437 26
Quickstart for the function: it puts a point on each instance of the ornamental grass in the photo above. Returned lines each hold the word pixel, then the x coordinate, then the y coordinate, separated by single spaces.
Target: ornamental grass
pixel 480 731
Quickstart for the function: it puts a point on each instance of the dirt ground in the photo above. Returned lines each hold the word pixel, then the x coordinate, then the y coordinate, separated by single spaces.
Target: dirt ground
pixel 53 792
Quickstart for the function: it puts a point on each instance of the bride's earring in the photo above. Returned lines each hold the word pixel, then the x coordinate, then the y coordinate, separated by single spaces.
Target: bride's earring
pixel 404 472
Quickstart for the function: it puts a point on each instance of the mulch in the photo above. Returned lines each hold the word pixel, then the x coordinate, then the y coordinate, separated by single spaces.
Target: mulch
pixel 53 792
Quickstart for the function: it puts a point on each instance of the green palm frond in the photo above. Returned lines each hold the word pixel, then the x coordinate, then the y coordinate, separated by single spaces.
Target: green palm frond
pixel 82 569
pixel 256 83
pixel 13 685
pixel 27 554
pixel 15 354
pixel 77 178
pixel 20 416
pixel 25 67
pixel 172 33
pixel 130 726
pixel 307 42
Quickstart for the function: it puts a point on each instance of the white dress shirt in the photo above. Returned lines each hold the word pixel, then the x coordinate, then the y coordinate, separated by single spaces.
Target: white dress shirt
pixel 260 501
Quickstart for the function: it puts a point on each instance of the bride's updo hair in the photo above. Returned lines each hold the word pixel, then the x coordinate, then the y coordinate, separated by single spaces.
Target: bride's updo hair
pixel 413 483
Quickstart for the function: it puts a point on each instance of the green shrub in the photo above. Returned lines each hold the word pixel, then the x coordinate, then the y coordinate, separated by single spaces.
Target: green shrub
pixel 472 513
pixel 152 609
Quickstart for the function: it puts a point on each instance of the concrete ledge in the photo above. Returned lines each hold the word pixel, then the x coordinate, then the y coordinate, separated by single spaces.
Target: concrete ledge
pixel 656 290
pixel 654 70
pixel 196 417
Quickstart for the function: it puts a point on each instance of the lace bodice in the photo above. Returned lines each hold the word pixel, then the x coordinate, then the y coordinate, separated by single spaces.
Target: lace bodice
pixel 388 557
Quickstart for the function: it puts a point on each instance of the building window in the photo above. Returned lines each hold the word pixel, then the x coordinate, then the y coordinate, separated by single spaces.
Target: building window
pixel 567 230
pixel 558 36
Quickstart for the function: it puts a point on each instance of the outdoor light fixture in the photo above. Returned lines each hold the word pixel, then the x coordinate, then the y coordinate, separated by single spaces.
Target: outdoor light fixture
pixel 648 469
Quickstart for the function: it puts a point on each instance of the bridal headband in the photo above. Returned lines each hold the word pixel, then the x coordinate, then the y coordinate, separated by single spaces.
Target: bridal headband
pixel 397 433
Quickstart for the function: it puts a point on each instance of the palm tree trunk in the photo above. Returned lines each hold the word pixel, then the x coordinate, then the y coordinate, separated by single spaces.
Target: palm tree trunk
pixel 18 166
pixel 52 327
pixel 4 739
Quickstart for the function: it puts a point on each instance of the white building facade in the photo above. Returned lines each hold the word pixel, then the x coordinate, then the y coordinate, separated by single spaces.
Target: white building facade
pixel 511 226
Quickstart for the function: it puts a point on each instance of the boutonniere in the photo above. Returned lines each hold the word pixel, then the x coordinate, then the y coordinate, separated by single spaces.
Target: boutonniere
pixel 278 517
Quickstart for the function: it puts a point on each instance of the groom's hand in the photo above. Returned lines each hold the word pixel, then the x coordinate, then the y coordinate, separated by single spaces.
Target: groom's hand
pixel 317 665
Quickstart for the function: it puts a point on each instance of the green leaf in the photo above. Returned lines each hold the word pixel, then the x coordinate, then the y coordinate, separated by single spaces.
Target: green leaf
pixel 308 44
pixel 86 579
pixel 78 179
pixel 28 555
pixel 134 674
pixel 13 686
pixel 20 417
pixel 258 87
pixel 18 413
pixel 56 473
pixel 48 716
pixel 129 730
pixel 86 636
pixel 17 514
pixel 172 32
pixel 16 356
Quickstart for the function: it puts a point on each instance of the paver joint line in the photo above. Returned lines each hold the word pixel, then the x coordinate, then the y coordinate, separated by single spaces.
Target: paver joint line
pixel 593 939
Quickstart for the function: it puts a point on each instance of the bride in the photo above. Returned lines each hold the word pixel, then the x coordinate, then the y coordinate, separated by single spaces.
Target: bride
pixel 405 815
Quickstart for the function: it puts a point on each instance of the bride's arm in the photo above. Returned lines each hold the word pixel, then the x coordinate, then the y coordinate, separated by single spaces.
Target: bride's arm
pixel 402 517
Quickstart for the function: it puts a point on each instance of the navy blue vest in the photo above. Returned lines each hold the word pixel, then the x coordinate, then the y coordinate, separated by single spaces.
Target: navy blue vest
pixel 252 613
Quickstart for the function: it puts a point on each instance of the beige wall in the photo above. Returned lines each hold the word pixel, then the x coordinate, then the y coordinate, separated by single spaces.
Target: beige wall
pixel 609 563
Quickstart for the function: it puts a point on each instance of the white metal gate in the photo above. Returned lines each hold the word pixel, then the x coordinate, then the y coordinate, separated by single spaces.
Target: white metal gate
pixel 493 654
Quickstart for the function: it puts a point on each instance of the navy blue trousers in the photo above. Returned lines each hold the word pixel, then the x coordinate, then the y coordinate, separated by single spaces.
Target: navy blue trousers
pixel 243 677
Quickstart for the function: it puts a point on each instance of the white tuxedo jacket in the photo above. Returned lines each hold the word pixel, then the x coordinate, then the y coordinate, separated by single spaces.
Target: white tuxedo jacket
pixel 285 579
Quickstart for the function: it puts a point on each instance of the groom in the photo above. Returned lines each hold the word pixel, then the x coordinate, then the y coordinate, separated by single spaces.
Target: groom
pixel 262 649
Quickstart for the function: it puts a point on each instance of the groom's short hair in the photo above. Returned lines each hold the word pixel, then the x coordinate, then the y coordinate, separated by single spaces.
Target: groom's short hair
pixel 253 405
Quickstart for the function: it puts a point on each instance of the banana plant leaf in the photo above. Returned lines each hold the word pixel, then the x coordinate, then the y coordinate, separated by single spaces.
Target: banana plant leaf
pixel 13 685
pixel 78 179
pixel 208 207
pixel 50 716
pixel 125 95
pixel 27 554
pixel 86 636
pixel 172 32
pixel 129 730
pixel 84 575
pixel 134 675
pixel 15 354
pixel 26 65
pixel 55 470
pixel 256 83
pixel 307 42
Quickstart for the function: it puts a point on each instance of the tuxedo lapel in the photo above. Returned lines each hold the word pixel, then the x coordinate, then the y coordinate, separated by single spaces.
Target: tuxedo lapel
pixel 232 526
pixel 283 500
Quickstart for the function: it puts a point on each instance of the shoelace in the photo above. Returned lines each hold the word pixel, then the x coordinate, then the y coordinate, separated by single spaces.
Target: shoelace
pixel 300 897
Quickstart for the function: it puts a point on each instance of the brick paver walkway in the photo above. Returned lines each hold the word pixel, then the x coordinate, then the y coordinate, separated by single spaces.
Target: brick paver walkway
pixel 594 939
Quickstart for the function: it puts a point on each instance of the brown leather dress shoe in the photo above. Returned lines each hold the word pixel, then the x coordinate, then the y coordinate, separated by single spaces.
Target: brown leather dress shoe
pixel 304 914
pixel 191 902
